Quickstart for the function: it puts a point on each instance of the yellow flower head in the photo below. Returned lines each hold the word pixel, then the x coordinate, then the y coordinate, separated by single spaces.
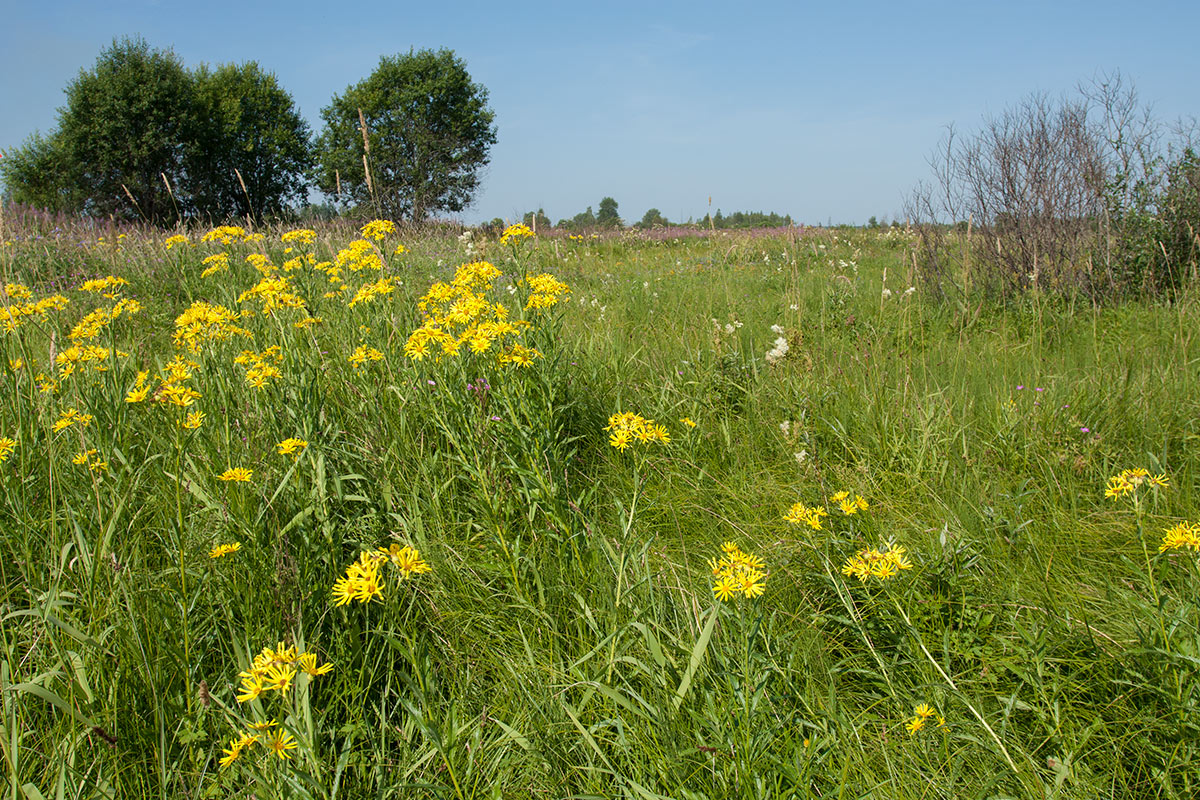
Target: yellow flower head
pixel 737 572
pixel 222 550
pixel 406 559
pixel 225 234
pixel 515 233
pixel 303 237
pixel 362 354
pixel 291 447
pixel 1185 535
pixel 280 743
pixel 801 514
pixel 193 420
pixel 624 428
pixel 1128 481
pixel 377 229
pixel 877 563
pixel 308 665
pixel 237 474
pixel 7 446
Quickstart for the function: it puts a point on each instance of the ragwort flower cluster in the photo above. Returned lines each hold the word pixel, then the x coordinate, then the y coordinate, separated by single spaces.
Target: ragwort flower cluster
pixel 362 581
pixel 801 514
pixel 261 367
pixel 877 563
pixel 922 714
pixel 459 315
pixel 737 572
pixel 1128 481
pixel 15 307
pixel 206 322
pixel 273 670
pixel 515 233
pixel 626 428
pixel 1185 535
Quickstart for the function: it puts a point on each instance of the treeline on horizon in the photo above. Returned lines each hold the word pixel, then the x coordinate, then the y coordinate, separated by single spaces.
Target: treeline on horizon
pixel 143 138
pixel 607 217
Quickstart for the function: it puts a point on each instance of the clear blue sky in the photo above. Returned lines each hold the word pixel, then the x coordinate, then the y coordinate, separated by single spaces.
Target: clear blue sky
pixel 824 111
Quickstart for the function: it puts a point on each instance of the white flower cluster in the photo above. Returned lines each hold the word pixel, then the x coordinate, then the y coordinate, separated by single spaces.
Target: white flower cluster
pixel 467 240
pixel 730 327
pixel 780 348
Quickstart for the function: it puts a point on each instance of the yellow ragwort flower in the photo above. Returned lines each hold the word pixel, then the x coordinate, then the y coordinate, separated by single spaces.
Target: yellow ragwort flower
pixel 515 233
pixel 1185 535
pixel 878 563
pixel 291 446
pixel 377 229
pixel 801 514
pixel 223 550
pixel 280 743
pixel 238 474
pixel 737 572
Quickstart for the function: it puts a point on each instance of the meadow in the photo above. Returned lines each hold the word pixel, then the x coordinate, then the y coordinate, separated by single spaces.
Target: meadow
pixel 362 511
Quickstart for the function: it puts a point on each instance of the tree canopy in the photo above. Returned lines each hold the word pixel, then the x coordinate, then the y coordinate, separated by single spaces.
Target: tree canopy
pixel 606 215
pixel 253 153
pixel 409 140
pixel 125 127
pixel 143 137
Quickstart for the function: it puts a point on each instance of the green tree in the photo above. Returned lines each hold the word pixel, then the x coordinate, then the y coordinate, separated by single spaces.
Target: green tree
pixel 606 215
pixel 40 173
pixel 124 129
pixel 581 221
pixel 653 217
pixel 428 136
pixel 536 220
pixel 252 130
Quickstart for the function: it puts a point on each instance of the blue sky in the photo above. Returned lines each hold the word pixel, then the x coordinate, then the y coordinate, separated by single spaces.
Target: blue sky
pixel 824 111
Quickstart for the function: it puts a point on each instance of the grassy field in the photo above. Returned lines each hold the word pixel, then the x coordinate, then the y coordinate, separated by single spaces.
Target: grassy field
pixel 593 471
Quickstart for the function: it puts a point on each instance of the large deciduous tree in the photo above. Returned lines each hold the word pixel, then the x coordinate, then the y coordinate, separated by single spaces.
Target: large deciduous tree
pixel 607 215
pixel 252 151
pixel 125 127
pixel 424 128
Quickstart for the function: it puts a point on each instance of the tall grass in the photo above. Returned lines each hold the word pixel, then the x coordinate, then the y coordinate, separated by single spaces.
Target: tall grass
pixel 567 642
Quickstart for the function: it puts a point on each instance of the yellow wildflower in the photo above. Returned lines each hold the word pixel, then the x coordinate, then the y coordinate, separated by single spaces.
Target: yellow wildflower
pixel 406 559
pixel 801 514
pixel 308 664
pixel 363 354
pixel 238 474
pixel 193 420
pixel 377 229
pixel 291 446
pixel 1183 535
pixel 303 237
pixel 225 234
pixel 281 743
pixel 737 572
pixel 877 563
pixel 222 550
pixel 515 233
